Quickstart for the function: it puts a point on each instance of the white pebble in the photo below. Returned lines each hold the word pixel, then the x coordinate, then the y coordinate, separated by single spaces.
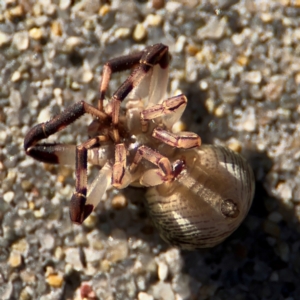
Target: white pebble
pixel 16 76
pixel 64 4
pixel 73 42
pixel 253 77
pixel 215 28
pixel 3 136
pixel 21 40
pixel 87 76
pixel 9 196
pixel 47 242
pixel 163 290
pixel 162 271
pixel 72 258
pixel 44 115
pixel 4 38
pixel 145 296
pixel 180 43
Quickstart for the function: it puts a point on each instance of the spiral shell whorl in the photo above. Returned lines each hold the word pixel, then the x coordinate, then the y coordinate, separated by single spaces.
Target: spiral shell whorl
pixel 207 201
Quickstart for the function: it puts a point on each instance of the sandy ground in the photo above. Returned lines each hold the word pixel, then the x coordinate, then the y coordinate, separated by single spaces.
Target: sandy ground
pixel 237 62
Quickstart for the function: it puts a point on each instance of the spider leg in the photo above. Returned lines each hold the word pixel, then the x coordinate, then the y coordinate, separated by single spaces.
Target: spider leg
pixel 120 177
pixel 57 153
pixel 170 110
pixel 166 172
pixel 118 64
pixel 80 206
pixel 151 56
pixel 185 140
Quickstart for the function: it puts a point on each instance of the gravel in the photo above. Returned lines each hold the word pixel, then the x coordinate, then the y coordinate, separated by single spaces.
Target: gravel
pixel 238 63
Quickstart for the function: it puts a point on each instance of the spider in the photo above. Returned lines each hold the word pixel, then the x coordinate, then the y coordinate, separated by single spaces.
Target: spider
pixel 131 141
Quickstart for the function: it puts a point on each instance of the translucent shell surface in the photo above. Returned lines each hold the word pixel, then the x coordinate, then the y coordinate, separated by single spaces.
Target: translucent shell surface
pixel 206 202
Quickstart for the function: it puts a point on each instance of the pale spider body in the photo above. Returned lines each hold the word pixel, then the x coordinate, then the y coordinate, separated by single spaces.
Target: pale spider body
pixel 197 195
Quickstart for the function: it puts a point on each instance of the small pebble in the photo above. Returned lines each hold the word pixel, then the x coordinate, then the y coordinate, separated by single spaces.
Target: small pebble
pixel 297 78
pixel 75 86
pixel 122 33
pixel 274 88
pixel 284 191
pixel 163 290
pixel 271 228
pixel 253 77
pixel 153 20
pixel 215 28
pixel 56 28
pixel 234 145
pixel 36 33
pixel 9 196
pixel 274 277
pixel 158 4
pixel 15 99
pixel 117 246
pixel 72 257
pixel 139 32
pixel 49 9
pixel 26 185
pixel 242 60
pixel 21 246
pixel 87 76
pixel 55 280
pixel 180 43
pixel 162 271
pixel 28 276
pixel 119 201
pixel 59 253
pixel 26 293
pixel 72 42
pixel 275 217
pixel 15 259
pixel 144 296
pixel 104 9
pixel 3 138
pixel 47 242
pixel 283 250
pixel 118 251
pixel 86 292
pixel 91 221
pixel 220 111
pixel 16 12
pixel 249 120
pixel 4 39
pixel 64 4
pixel 16 76
pixel 21 40
pixel 105 265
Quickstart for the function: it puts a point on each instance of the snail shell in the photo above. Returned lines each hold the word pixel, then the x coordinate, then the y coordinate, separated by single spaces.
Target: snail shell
pixel 206 202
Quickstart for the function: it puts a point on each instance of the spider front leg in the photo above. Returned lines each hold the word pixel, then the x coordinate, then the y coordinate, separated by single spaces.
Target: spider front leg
pixel 120 176
pixel 57 153
pixel 67 154
pixel 83 203
pixel 165 172
pixel 170 111
pixel 154 55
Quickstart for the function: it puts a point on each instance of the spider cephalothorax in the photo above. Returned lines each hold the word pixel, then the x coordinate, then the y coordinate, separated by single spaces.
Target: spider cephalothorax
pixel 197 195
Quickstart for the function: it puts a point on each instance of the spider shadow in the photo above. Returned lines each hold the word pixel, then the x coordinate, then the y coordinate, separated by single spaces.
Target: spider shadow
pixel 254 252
